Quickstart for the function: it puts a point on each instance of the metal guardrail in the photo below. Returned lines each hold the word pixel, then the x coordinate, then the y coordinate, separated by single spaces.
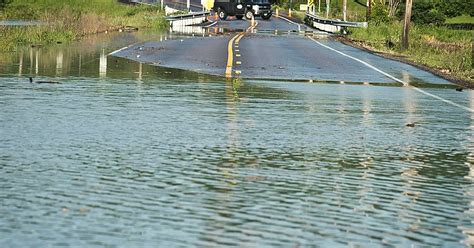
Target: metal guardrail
pixel 188 16
pixel 333 22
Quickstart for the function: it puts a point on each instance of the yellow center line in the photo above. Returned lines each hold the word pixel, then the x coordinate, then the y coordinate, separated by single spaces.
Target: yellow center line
pixel 230 56
pixel 238 38
pixel 230 52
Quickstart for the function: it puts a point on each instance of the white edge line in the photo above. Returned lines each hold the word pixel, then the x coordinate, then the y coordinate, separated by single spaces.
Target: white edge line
pixel 116 51
pixel 290 21
pixel 394 78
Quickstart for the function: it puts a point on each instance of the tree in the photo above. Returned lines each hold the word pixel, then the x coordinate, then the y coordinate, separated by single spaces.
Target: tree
pixel 426 12
pixel 369 9
pixel 328 3
pixel 3 3
pixel 452 8
pixel 393 7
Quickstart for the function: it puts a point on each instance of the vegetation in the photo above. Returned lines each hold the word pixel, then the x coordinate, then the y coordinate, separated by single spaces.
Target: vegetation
pixel 438 47
pixel 432 42
pixel 4 3
pixel 464 19
pixel 64 22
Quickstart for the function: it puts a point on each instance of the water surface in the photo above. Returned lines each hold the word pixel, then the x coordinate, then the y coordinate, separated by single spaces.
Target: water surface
pixel 134 155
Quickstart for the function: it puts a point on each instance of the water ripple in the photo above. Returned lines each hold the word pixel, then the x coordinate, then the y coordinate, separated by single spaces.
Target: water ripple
pixel 180 164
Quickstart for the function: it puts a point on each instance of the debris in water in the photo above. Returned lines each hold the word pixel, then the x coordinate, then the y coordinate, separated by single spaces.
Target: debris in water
pixel 43 82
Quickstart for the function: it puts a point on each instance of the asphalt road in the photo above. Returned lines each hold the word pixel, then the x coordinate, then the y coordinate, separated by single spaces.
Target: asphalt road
pixel 275 49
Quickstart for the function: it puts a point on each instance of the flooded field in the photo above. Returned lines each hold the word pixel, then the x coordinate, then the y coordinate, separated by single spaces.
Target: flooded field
pixel 127 154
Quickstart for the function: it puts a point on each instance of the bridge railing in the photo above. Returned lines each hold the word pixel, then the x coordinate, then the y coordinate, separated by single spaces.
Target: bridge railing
pixel 332 25
pixel 188 19
pixel 188 15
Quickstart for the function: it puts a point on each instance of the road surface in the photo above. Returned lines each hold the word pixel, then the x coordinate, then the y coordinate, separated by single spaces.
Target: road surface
pixel 275 49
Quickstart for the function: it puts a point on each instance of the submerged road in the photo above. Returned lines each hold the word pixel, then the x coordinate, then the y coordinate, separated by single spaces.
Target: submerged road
pixel 274 49
pixel 128 154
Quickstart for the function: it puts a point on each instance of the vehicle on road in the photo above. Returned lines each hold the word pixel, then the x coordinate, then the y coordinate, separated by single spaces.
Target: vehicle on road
pixel 241 8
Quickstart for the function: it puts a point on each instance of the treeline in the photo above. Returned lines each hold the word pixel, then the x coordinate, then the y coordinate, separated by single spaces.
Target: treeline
pixel 4 3
pixel 423 11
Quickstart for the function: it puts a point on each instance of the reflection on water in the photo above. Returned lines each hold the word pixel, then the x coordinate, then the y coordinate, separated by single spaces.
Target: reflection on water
pixel 127 154
pixel 469 231
pixel 103 64
pixel 88 58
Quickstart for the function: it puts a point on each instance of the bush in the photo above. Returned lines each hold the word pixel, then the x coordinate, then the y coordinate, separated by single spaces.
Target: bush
pixel 432 17
pixel 453 8
pixel 21 12
pixel 4 3
pixel 379 15
pixel 425 12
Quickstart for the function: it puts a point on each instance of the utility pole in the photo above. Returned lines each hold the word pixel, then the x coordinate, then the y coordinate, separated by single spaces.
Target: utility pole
pixel 406 24
pixel 319 6
pixel 289 10
pixel 344 10
pixel 369 9
pixel 328 3
pixel 188 5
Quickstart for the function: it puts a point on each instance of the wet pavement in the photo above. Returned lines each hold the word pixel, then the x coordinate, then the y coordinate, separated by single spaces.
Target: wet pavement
pixel 276 49
pixel 184 53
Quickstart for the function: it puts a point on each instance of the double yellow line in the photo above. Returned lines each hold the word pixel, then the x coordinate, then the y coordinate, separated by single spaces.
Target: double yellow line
pixel 230 50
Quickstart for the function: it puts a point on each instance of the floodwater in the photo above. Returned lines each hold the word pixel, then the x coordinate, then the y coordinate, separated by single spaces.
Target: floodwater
pixel 13 23
pixel 130 155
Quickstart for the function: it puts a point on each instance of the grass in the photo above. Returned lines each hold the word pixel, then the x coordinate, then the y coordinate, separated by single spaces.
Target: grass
pixel 441 48
pixel 65 22
pixel 445 49
pixel 464 19
pixel 449 51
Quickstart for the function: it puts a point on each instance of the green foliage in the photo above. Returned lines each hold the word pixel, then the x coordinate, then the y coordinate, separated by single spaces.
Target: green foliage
pixel 464 19
pixel 4 3
pixel 433 16
pixel 436 11
pixel 65 22
pixel 453 8
pixel 20 12
pixel 379 15
pixel 425 12
pixel 429 45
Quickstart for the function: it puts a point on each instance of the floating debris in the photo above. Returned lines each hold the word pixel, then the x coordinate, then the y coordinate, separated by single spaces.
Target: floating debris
pixel 43 82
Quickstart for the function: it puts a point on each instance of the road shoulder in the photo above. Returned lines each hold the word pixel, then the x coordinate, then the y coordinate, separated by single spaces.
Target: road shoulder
pixel 406 60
